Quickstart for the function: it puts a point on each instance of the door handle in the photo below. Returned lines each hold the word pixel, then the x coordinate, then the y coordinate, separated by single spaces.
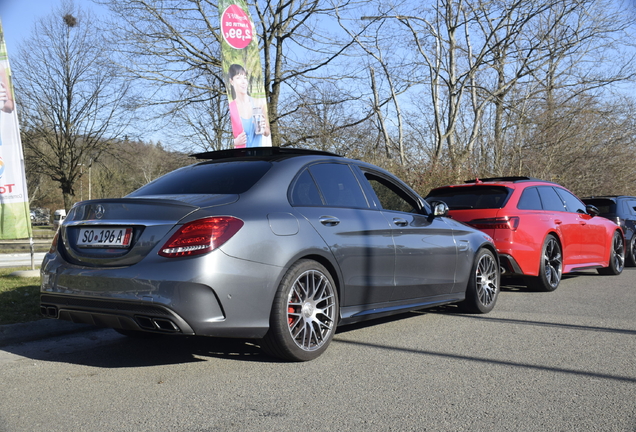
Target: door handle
pixel 400 222
pixel 329 220
pixel 557 221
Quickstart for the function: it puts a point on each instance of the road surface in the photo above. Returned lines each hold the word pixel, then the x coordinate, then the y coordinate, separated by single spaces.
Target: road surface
pixel 21 259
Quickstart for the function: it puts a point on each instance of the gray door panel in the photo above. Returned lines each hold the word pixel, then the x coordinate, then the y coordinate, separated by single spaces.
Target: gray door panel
pixel 362 243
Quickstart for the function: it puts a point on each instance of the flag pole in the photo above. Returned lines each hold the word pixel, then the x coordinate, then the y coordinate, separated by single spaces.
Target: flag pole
pixel 32 253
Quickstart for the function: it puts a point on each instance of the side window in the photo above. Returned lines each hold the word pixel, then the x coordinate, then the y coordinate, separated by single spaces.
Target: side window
pixel 338 185
pixel 625 207
pixel 390 196
pixel 632 207
pixel 305 192
pixel 572 203
pixel 550 200
pixel 530 200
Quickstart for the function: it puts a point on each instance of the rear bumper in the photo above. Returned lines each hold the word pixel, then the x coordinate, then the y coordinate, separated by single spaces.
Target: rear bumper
pixel 509 265
pixel 231 298
pixel 114 314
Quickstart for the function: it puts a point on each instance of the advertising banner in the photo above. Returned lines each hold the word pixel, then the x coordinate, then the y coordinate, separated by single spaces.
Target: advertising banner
pixel 15 217
pixel 243 76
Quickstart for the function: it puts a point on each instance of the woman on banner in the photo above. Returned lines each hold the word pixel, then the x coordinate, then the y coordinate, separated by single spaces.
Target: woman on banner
pixel 6 98
pixel 248 115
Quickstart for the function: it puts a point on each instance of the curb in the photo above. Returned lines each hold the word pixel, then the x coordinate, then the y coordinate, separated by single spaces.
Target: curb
pixel 11 334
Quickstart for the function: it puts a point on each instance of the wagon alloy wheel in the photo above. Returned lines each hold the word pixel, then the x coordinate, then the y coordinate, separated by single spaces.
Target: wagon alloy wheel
pixel 630 260
pixel 551 266
pixel 617 256
pixel 618 252
pixel 552 262
pixel 304 315
pixel 483 286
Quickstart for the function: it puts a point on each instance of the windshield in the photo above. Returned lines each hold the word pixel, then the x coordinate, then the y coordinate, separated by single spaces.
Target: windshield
pixel 604 206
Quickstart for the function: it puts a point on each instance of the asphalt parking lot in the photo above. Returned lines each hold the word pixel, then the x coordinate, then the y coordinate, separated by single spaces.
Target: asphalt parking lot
pixel 561 361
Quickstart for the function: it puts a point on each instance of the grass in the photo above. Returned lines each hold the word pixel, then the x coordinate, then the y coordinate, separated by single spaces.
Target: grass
pixel 42 236
pixel 43 231
pixel 19 297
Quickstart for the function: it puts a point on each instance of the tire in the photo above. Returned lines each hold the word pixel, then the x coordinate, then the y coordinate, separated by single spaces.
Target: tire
pixel 617 256
pixel 630 260
pixel 304 313
pixel 550 266
pixel 484 284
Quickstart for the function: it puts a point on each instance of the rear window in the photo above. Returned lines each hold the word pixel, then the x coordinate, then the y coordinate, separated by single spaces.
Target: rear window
pixel 207 178
pixel 605 206
pixel 473 197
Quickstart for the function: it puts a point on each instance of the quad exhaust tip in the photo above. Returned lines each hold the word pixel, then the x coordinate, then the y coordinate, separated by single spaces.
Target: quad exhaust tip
pixel 48 311
pixel 157 324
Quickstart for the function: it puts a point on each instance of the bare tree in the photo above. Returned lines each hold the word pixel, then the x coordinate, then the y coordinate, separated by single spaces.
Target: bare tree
pixel 176 44
pixel 376 46
pixel 474 54
pixel 578 52
pixel 135 164
pixel 73 102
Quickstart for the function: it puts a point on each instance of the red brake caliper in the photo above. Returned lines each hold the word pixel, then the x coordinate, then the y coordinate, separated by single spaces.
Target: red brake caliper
pixel 291 310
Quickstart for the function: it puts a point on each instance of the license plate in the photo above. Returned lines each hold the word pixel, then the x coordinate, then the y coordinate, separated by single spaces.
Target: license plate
pixel 104 237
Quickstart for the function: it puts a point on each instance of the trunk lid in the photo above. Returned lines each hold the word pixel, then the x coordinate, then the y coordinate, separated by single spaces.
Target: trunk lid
pixel 135 227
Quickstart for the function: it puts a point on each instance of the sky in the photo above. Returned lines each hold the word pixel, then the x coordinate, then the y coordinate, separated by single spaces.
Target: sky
pixel 19 16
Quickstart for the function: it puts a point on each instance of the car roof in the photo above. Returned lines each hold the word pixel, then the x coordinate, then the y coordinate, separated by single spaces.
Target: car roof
pixel 509 182
pixel 510 179
pixel 275 154
pixel 260 153
pixel 609 197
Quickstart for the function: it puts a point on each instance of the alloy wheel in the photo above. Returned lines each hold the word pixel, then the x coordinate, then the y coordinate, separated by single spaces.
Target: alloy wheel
pixel 553 262
pixel 618 252
pixel 487 279
pixel 311 310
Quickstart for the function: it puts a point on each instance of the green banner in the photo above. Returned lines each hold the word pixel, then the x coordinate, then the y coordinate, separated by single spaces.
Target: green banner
pixel 243 76
pixel 15 217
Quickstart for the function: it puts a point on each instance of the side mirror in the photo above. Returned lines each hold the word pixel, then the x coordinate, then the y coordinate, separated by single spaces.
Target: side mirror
pixel 439 208
pixel 592 210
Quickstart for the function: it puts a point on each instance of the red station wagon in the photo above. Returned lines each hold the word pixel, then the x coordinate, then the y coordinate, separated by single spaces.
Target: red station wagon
pixel 541 230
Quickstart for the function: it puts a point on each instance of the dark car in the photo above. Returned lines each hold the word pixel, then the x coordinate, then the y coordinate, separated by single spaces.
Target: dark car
pixel 281 245
pixel 40 216
pixel 541 229
pixel 620 209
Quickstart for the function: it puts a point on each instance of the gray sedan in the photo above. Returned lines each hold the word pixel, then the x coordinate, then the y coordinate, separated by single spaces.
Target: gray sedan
pixel 279 245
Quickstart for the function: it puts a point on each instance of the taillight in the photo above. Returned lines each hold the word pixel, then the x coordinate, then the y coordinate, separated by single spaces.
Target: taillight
pixel 201 236
pixel 54 242
pixel 507 222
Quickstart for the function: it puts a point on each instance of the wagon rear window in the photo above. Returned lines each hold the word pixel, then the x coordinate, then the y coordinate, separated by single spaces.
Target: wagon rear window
pixel 472 197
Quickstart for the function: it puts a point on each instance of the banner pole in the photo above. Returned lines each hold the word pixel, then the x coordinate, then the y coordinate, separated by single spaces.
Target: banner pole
pixel 32 253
